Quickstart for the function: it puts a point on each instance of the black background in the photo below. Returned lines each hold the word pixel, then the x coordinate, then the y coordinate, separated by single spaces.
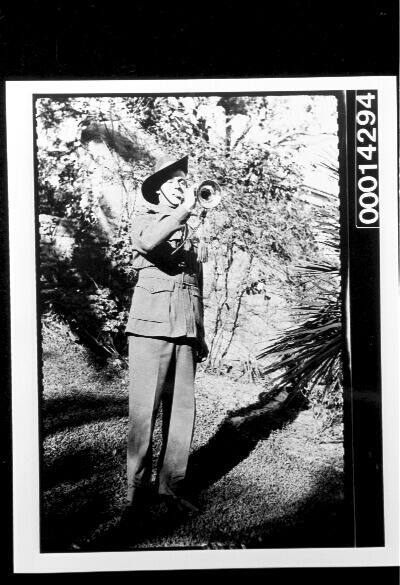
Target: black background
pixel 120 40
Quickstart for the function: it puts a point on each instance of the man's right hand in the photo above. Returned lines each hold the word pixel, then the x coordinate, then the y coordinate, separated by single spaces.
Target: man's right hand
pixel 201 350
pixel 189 199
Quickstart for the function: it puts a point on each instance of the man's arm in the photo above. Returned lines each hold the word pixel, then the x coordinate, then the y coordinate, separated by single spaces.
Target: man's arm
pixel 159 228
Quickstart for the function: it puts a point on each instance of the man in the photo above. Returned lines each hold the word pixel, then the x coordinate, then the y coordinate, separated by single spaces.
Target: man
pixel 166 335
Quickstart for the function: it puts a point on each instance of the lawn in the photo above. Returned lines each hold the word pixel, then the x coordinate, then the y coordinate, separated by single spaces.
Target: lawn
pixel 257 484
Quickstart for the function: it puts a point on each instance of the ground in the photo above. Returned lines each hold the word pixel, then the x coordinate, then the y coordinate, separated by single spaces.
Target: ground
pixel 255 485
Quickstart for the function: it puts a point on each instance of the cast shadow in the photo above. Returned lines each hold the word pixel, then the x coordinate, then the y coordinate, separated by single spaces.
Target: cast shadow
pixel 81 464
pixel 62 412
pixel 72 518
pixel 321 512
pixel 236 438
pixel 322 519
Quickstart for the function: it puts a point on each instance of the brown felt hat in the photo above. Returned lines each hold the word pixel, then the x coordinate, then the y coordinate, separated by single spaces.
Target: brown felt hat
pixel 164 168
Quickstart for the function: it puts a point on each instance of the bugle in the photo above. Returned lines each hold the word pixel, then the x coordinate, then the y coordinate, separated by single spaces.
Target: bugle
pixel 208 194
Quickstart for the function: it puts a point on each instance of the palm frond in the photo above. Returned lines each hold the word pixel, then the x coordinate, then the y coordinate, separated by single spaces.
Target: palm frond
pixel 309 353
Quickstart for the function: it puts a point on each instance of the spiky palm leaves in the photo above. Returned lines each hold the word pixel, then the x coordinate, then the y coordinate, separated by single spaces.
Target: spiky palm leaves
pixel 307 356
pixel 309 353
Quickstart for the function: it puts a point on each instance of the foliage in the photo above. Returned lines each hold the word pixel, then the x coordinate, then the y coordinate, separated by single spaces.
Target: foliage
pixel 92 284
pixel 262 226
pixel 249 144
pixel 307 357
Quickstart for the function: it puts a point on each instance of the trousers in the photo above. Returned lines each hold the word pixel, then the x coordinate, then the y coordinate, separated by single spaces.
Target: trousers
pixel 161 371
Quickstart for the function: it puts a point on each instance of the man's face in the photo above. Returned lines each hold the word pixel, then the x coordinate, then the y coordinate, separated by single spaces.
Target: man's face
pixel 171 193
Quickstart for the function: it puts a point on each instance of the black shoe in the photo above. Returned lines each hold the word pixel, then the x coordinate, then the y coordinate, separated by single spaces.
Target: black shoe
pixel 141 498
pixel 130 526
pixel 134 512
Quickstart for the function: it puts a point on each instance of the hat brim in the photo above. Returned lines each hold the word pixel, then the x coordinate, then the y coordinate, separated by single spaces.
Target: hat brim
pixel 154 182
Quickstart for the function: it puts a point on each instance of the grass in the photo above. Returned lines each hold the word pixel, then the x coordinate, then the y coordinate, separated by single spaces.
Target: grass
pixel 257 485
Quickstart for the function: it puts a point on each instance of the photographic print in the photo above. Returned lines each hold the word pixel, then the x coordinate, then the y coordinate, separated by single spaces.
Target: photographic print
pixel 205 360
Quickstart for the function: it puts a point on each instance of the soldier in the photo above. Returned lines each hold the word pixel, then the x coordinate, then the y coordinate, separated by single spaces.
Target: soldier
pixel 166 335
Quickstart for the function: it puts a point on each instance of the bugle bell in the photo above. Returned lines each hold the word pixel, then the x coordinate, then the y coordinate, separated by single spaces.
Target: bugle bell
pixel 208 193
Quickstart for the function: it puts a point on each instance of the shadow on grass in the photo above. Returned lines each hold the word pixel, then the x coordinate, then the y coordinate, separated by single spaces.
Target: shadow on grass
pixel 234 440
pixel 82 464
pixel 73 516
pixel 315 521
pixel 236 437
pixel 70 411
pixel 321 519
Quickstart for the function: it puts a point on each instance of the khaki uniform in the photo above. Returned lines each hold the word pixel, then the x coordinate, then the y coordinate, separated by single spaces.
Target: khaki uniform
pixel 164 325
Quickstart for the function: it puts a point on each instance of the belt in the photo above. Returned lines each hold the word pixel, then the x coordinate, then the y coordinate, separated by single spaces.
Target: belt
pixel 180 280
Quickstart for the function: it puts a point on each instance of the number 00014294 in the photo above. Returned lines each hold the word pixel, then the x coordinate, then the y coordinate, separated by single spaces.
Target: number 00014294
pixel 367 200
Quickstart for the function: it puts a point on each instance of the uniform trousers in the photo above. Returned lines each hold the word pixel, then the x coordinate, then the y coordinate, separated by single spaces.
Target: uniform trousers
pixel 162 370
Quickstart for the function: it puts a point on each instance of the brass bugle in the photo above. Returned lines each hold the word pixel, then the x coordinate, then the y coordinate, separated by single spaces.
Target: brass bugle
pixel 208 193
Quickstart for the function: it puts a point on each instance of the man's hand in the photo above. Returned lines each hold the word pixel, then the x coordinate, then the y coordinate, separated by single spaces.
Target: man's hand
pixel 189 198
pixel 201 351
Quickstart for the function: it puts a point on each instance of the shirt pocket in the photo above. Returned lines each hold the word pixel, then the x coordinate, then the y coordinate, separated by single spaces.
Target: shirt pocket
pixel 151 300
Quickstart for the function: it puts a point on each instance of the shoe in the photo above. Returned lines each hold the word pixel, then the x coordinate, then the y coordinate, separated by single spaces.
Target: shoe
pixel 141 498
pixel 131 522
pixel 134 511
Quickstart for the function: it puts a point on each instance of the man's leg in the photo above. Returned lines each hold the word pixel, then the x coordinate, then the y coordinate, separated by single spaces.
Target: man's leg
pixel 166 404
pixel 149 360
pixel 181 422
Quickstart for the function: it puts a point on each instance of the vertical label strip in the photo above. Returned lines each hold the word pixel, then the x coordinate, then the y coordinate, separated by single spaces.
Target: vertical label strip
pixel 367 172
pixel 364 320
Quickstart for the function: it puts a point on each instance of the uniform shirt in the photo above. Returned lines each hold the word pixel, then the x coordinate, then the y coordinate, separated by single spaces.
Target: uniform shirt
pixel 167 299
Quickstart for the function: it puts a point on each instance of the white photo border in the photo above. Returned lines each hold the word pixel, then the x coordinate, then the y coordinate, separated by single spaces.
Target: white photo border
pixel 24 335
